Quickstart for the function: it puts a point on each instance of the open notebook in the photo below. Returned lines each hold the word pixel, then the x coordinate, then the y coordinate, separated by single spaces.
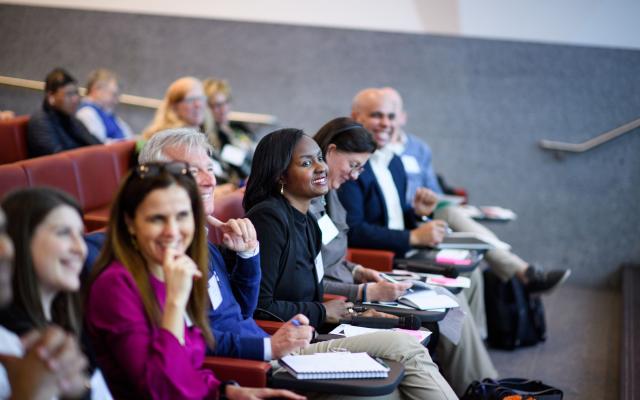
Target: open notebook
pixel 425 298
pixel 339 365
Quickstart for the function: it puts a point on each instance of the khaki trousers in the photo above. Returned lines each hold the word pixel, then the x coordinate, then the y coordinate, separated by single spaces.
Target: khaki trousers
pixel 421 381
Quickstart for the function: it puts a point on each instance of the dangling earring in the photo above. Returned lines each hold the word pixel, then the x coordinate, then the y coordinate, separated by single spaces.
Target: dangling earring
pixel 282 188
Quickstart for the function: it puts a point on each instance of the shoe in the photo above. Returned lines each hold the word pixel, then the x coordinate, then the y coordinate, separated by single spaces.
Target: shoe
pixel 540 281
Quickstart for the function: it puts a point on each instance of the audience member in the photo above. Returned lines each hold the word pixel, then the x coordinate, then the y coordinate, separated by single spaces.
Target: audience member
pixel 287 173
pixel 97 110
pixel 220 130
pixel 183 106
pixel 47 362
pixel 54 127
pixel 232 139
pixel 346 147
pixel 415 152
pixel 151 342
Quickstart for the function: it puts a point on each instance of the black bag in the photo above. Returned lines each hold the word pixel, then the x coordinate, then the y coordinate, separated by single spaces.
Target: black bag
pixel 511 389
pixel 514 318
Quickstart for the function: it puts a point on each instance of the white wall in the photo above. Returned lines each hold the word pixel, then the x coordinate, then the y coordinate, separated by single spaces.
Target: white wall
pixel 610 23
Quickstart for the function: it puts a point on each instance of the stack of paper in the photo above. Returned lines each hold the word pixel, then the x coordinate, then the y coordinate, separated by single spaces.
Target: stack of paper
pixel 339 365
pixel 350 330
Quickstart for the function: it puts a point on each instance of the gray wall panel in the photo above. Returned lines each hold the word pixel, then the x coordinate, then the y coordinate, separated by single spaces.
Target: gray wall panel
pixel 481 104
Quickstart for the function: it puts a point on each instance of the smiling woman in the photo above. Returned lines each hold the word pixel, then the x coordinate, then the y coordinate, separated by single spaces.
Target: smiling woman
pixel 46 228
pixel 287 173
pixel 151 342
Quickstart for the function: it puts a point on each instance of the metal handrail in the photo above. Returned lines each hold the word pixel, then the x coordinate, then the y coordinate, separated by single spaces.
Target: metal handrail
pixel 145 102
pixel 591 143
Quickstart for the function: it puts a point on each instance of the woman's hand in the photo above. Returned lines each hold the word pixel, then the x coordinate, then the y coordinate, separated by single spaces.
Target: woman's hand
pixel 424 201
pixel 428 234
pixel 244 393
pixel 335 310
pixel 362 275
pixel 237 234
pixel 179 273
pixel 386 291
pixel 52 366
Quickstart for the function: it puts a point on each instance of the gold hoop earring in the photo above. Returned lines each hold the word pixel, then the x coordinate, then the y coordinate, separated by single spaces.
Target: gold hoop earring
pixel 282 188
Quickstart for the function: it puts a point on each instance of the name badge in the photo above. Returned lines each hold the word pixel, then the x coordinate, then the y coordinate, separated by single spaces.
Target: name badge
pixel 214 292
pixel 328 228
pixel 319 267
pixel 233 155
pixel 411 165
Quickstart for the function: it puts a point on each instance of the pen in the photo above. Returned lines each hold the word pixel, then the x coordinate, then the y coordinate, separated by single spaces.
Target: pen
pixel 388 278
pixel 295 322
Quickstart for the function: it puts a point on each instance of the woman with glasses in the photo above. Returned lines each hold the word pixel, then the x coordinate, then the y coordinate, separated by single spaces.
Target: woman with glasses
pixel 288 172
pixel 147 299
pixel 346 146
pixel 183 105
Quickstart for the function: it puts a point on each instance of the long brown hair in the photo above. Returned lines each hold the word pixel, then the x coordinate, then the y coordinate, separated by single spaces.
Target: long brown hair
pixel 26 209
pixel 120 245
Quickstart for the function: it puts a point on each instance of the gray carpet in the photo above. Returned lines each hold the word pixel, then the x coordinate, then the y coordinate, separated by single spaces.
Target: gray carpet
pixel 582 353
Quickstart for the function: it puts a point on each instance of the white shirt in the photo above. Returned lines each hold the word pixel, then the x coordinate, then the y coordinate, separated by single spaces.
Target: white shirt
pixel 379 161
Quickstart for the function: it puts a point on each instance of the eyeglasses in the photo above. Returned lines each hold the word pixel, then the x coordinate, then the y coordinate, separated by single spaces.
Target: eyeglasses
pixel 193 99
pixel 157 168
pixel 356 168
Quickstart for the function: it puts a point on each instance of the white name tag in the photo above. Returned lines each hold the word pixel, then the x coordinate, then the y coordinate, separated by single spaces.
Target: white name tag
pixel 214 292
pixel 411 165
pixel 233 155
pixel 319 267
pixel 217 168
pixel 328 228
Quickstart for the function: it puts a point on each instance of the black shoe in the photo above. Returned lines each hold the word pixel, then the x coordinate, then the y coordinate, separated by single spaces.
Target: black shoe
pixel 540 281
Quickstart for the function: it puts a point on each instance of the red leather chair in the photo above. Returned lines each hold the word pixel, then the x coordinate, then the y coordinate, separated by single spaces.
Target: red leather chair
pixel 12 177
pixel 249 373
pixel 55 171
pixel 380 260
pixel 13 139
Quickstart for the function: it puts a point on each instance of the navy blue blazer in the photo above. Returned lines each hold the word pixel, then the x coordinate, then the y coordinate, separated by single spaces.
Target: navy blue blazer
pixel 367 215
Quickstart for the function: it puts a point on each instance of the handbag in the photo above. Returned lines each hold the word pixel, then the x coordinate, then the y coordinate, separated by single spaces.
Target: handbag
pixel 511 389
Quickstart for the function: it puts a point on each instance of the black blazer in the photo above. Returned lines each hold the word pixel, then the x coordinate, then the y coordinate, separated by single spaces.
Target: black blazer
pixel 286 289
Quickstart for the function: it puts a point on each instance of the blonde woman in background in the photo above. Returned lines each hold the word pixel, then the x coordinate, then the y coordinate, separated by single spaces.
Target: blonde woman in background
pixel 184 106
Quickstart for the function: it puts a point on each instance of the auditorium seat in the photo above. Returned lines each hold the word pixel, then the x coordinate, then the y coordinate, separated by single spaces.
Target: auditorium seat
pixel 249 373
pixel 90 174
pixel 13 139
pixel 12 176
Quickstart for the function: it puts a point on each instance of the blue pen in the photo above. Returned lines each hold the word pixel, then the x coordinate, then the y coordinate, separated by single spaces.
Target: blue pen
pixel 295 322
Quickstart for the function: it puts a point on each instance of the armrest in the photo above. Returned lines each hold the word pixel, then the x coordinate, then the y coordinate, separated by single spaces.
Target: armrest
pixel 381 260
pixel 329 296
pixel 249 373
pixel 269 326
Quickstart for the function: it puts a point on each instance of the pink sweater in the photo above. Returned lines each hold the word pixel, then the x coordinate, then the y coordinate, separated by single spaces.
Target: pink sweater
pixel 138 359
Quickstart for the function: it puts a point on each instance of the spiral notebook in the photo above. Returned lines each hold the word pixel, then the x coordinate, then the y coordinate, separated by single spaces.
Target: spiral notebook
pixel 339 365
